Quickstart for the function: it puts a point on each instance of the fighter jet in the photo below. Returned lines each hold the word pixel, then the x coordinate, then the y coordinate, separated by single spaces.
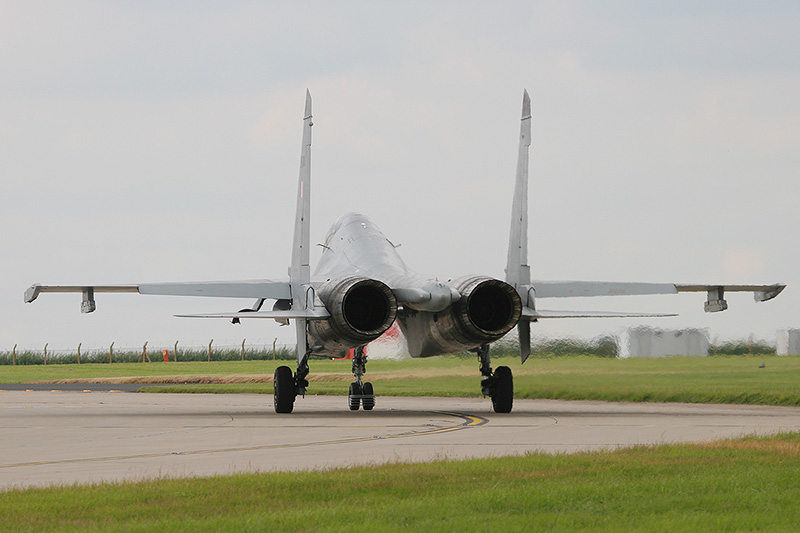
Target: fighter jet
pixel 361 286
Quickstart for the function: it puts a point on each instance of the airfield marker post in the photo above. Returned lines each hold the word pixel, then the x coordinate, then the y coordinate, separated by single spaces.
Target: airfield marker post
pixel 79 352
pixel 273 347
pixel 175 352
pixel 144 352
pixel 111 353
pixel 243 348
pixel 45 352
pixel 209 350
pixel 14 356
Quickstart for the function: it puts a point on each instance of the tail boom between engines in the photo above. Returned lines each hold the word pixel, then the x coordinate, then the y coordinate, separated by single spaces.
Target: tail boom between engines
pixel 488 309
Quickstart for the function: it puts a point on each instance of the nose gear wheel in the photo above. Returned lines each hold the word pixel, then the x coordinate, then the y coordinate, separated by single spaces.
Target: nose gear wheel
pixel 361 394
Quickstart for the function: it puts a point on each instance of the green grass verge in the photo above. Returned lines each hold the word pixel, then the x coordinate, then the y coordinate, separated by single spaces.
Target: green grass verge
pixel 51 372
pixel 718 379
pixel 747 484
pixel 715 379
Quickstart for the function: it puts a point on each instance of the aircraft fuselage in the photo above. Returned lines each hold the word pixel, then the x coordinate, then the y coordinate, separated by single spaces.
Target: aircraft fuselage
pixel 436 317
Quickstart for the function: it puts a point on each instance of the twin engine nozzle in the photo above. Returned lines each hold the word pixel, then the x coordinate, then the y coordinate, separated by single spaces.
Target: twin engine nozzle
pixel 362 309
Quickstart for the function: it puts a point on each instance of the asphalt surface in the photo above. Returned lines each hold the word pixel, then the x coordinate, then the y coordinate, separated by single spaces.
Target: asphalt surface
pixel 76 437
pixel 78 387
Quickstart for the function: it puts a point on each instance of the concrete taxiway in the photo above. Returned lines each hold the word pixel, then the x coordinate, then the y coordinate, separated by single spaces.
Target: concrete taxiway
pixel 74 437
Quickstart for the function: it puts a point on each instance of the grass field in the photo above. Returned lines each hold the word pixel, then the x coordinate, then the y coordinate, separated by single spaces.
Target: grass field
pixel 747 484
pixel 716 379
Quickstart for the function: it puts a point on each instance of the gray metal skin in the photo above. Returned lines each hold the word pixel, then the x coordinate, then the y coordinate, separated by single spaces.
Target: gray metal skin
pixel 355 246
pixel 361 285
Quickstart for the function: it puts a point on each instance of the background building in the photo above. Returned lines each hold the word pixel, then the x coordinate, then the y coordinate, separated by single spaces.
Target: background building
pixel 652 342
pixel 788 342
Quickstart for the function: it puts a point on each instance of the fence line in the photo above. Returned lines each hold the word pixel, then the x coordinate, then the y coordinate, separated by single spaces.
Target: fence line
pixel 256 350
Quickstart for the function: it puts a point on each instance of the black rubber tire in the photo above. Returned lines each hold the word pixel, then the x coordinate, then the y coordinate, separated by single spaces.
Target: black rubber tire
pixel 354 403
pixel 283 390
pixel 368 403
pixel 503 390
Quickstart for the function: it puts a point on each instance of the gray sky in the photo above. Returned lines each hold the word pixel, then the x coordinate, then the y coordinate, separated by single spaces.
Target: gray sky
pixel 154 141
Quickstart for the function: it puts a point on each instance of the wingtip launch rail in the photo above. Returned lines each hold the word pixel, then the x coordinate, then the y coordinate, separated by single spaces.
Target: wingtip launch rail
pixel 361 286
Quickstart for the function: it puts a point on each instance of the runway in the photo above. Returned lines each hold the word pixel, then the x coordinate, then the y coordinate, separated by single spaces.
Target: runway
pixel 75 437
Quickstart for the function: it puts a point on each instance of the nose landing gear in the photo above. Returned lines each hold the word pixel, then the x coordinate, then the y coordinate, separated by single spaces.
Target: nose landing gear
pixel 361 393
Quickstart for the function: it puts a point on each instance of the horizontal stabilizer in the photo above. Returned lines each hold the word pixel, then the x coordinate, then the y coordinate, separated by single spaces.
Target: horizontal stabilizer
pixel 318 313
pixel 534 314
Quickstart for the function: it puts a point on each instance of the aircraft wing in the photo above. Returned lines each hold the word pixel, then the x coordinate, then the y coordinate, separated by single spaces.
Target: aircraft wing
pixel 258 289
pixel 224 289
pixel 570 289
pixel 573 289
pixel 34 290
pixel 761 293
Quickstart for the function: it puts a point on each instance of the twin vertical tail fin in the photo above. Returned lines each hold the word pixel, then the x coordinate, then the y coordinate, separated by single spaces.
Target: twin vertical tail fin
pixel 518 273
pixel 300 270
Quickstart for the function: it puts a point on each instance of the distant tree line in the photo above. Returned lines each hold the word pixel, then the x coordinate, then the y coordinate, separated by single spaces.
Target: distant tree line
pixel 608 346
pixel 742 347
pixel 605 346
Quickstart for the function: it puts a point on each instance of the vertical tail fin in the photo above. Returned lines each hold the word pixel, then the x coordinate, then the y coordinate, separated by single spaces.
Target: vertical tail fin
pixel 300 270
pixel 518 273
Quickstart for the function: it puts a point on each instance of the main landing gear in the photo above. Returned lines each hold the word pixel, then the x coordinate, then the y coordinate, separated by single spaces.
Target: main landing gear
pixel 498 385
pixel 286 386
pixel 360 393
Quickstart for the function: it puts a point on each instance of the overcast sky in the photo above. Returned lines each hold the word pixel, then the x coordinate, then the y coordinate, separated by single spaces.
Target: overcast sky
pixel 159 141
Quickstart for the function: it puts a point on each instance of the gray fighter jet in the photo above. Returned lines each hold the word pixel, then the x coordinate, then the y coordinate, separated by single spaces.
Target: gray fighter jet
pixel 361 286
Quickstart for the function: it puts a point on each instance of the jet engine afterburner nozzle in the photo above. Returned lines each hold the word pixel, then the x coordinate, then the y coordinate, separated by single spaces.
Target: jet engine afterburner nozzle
pixel 361 310
pixel 488 307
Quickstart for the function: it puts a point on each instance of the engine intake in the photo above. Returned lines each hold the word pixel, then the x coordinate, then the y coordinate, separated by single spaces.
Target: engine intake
pixel 488 309
pixel 361 310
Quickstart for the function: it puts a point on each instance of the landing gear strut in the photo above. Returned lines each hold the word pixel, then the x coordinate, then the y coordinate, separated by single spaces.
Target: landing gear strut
pixel 499 386
pixel 286 386
pixel 360 393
